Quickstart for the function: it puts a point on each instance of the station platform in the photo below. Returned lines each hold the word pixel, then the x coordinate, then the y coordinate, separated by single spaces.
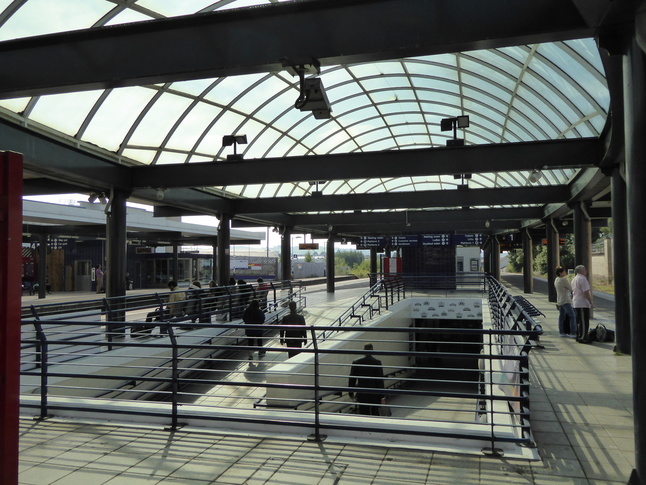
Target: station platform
pixel 582 422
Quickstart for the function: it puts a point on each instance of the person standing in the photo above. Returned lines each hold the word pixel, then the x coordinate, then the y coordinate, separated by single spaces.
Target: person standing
pixel 582 302
pixel 564 303
pixel 98 273
pixel 367 374
pixel 253 315
pixel 296 337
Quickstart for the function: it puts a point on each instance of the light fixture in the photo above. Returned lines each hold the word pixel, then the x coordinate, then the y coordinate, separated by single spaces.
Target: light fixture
pixel 448 124
pixel 235 140
pixel 316 192
pixel 161 193
pixel 312 96
pixel 92 198
pixel 103 199
pixel 534 176
pixel 487 223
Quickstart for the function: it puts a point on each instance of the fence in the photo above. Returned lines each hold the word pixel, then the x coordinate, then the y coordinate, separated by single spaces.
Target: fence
pixel 470 384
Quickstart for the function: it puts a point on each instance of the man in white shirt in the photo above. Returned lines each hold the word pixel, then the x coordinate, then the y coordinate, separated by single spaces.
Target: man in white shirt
pixel 582 302
pixel 564 303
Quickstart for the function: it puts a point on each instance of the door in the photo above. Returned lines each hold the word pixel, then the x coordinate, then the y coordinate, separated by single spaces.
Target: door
pixel 83 275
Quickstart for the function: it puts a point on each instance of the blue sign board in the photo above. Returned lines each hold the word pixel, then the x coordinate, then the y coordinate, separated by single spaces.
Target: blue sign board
pixel 468 239
pixel 405 241
pixel 436 239
pixel 372 242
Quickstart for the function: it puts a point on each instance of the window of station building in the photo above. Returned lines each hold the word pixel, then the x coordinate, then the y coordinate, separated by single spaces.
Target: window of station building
pixel 460 264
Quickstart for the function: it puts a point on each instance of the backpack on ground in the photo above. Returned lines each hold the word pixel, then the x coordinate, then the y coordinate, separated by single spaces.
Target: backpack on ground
pixel 603 334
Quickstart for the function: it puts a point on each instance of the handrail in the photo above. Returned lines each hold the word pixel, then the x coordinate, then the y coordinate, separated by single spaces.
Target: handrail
pixel 164 368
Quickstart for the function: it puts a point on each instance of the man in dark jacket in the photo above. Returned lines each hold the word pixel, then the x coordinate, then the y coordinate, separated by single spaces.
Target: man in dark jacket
pixel 367 374
pixel 295 337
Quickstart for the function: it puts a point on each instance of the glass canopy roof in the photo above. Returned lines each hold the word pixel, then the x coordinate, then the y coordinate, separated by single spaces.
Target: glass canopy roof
pixel 514 94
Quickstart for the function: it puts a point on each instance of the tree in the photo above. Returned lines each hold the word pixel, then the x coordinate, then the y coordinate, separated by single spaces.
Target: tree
pixel 515 260
pixel 308 257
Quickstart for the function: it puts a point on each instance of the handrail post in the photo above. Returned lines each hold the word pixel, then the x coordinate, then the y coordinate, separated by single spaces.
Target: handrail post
pixel 317 436
pixel 175 376
pixel 40 334
pixel 492 451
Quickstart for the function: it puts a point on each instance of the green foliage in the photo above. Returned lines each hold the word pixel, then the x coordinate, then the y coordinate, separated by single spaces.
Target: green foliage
pixel 308 257
pixel 515 261
pixel 361 270
pixel 349 258
pixel 540 259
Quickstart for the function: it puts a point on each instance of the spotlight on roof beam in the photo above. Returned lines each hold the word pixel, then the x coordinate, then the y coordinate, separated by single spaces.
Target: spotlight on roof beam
pixel 235 140
pixel 103 199
pixel 312 96
pixel 92 198
pixel 534 176
pixel 448 124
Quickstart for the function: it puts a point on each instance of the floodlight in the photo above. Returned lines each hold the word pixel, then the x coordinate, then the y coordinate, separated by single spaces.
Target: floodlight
pixel 463 121
pixel 235 140
pixel 102 198
pixel 313 98
pixel 535 176
pixel 92 198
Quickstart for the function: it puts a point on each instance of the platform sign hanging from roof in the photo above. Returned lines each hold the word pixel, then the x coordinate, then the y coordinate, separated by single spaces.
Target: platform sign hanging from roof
pixel 468 239
pixel 435 239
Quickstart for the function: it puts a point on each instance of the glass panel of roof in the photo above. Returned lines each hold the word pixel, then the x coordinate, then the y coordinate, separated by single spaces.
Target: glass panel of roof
pixel 397 107
pixel 495 93
pixel 190 129
pixel 37 17
pixel 495 60
pixel 195 87
pixel 173 8
pixel 64 112
pixel 163 114
pixel 385 143
pixel 115 116
pixel 17 105
pixel 359 100
pixel 433 67
pixel 252 98
pixel 358 116
pixel 389 95
pixel 587 49
pixel 230 88
pixel 166 157
pixel 127 16
pixel 263 143
pixel 384 82
pixel 227 124
pixel 143 156
pixel 276 106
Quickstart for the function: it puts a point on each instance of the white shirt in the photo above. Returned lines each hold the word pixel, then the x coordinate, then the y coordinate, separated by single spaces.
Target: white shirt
pixel 580 285
pixel 563 290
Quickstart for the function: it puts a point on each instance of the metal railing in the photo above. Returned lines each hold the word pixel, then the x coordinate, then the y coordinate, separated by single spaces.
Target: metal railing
pixel 467 383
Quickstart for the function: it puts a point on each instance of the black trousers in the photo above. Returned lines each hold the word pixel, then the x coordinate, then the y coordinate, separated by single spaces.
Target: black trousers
pixel 582 323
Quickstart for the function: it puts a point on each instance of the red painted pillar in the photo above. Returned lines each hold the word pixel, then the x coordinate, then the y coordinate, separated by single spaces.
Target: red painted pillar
pixel 10 294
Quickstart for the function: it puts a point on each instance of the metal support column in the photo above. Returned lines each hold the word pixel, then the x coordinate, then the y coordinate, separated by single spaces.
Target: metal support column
pixel 583 237
pixel 116 259
pixel 42 265
pixel 10 294
pixel 495 257
pixel 487 257
pixel 553 257
pixel 286 253
pixel 528 263
pixel 224 241
pixel 635 126
pixel 620 262
pixel 175 262
pixel 329 262
pixel 373 266
pixel 116 254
